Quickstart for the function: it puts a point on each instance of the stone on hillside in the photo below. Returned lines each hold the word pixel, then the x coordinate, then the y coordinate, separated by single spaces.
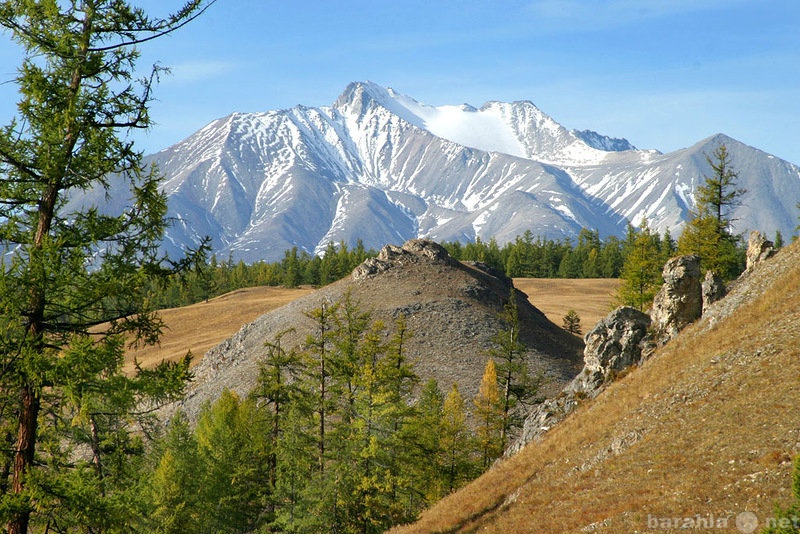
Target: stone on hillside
pixel 613 345
pixel 680 300
pixel 759 248
pixel 414 250
pixel 713 289
pixel 619 341
pixel 429 249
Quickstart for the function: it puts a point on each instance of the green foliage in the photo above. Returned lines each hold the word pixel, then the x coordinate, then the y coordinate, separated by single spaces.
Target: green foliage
pixel 641 271
pixel 572 322
pixel 708 233
pixel 266 464
pixel 456 444
pixel 517 387
pixel 208 280
pixel 75 280
pixel 787 521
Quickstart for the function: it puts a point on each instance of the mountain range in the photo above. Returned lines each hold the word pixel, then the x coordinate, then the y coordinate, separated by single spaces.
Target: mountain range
pixel 383 168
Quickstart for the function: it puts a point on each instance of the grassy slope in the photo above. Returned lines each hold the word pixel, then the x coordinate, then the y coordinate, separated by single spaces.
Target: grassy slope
pixel 201 326
pixel 707 426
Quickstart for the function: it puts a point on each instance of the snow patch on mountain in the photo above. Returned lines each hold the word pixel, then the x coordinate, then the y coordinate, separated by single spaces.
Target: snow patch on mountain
pixel 384 168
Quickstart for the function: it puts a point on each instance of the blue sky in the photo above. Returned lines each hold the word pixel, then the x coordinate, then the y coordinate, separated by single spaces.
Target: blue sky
pixel 662 73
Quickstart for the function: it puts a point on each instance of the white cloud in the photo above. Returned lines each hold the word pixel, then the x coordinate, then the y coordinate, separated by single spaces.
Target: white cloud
pixel 190 72
pixel 582 14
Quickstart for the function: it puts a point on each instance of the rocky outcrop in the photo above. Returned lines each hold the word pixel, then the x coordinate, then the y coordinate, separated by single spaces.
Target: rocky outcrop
pixel 680 300
pixel 759 248
pixel 414 250
pixel 713 289
pixel 619 341
pixel 453 312
pixel 612 346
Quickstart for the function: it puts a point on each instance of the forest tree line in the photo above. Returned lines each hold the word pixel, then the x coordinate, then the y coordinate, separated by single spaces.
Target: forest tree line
pixel 588 256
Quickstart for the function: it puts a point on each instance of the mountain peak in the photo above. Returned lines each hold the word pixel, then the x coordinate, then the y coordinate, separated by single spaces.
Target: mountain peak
pixel 603 142
pixel 383 167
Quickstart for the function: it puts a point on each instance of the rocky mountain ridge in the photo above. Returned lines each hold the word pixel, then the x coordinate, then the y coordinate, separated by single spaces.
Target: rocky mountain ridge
pixel 381 167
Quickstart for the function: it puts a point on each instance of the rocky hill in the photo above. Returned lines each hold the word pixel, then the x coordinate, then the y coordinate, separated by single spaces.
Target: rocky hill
pixel 452 311
pixel 699 436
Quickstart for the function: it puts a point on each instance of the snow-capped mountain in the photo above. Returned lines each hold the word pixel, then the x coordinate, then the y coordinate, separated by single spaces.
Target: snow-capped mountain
pixel 381 167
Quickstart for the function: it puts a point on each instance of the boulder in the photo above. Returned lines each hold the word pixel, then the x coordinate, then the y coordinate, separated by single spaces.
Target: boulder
pixel 413 251
pixel 619 341
pixel 759 248
pixel 713 289
pixel 613 345
pixel 680 300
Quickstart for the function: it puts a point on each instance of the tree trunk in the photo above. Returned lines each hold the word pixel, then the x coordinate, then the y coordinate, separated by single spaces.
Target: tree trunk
pixel 23 455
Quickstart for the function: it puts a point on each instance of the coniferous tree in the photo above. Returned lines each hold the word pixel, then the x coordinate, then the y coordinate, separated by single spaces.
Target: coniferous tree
pixel 572 322
pixel 641 272
pixel 517 387
pixel 489 416
pixel 277 388
pixel 455 442
pixel 708 232
pixel 233 449
pixel 426 434
pixel 68 269
pixel 787 520
pixel 175 483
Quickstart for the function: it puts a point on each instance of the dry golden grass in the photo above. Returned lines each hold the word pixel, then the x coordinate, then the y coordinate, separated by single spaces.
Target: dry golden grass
pixel 199 327
pixel 704 430
pixel 591 298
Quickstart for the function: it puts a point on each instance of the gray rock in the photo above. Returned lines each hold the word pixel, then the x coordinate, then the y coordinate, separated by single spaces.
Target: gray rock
pixel 617 342
pixel 613 345
pixel 412 251
pixel 759 248
pixel 680 300
pixel 713 289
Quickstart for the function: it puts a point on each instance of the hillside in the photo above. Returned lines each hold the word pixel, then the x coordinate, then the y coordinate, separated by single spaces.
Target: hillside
pixel 452 309
pixel 705 429
pixel 223 316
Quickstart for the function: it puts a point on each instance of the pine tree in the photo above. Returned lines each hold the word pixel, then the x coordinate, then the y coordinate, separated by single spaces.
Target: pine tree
pixel 68 269
pixel 641 271
pixel 708 232
pixel 489 416
pixel 572 322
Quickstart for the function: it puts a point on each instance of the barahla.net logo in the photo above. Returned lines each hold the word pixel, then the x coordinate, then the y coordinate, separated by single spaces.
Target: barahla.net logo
pixel 745 522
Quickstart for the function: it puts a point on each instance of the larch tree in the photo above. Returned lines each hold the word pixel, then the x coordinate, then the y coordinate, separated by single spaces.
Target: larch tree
pixel 708 232
pixel 454 442
pixel 489 416
pixel 517 386
pixel 73 279
pixel 641 271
